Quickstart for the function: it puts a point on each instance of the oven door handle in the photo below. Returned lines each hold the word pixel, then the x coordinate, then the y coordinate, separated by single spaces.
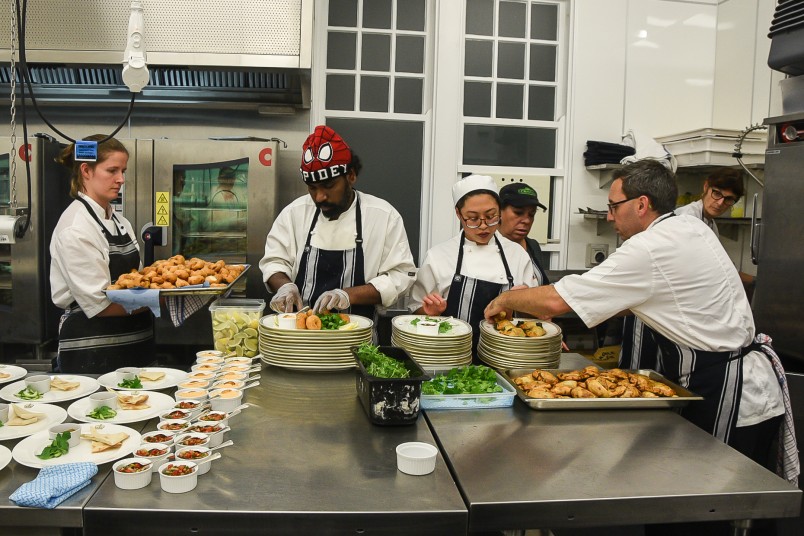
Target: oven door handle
pixel 755 231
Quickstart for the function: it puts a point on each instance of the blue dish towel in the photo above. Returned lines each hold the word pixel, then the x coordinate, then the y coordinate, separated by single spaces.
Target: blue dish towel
pixel 134 298
pixel 54 484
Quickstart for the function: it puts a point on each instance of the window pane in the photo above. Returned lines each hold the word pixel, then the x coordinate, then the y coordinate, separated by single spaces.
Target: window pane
pixel 478 58
pixel 341 49
pixel 512 146
pixel 543 63
pixel 374 94
pixel 512 19
pixel 376 52
pixel 377 14
pixel 511 60
pixel 410 54
pixel 477 99
pixel 509 101
pixel 343 13
pixel 410 15
pixel 480 17
pixel 541 103
pixel 340 92
pixel 408 95
pixel 544 22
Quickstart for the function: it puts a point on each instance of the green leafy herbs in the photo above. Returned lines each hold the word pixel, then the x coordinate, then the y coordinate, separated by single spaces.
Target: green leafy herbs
pixel 331 321
pixel 133 383
pixel 472 379
pixel 102 413
pixel 443 325
pixel 29 394
pixel 380 365
pixel 57 448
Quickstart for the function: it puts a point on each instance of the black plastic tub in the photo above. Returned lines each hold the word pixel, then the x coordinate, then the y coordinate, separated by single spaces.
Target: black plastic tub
pixel 390 401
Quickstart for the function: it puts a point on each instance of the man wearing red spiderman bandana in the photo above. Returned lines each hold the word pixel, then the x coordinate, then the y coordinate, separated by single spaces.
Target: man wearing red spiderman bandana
pixel 336 248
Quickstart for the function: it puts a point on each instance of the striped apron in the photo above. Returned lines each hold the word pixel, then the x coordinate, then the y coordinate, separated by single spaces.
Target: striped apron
pixel 102 344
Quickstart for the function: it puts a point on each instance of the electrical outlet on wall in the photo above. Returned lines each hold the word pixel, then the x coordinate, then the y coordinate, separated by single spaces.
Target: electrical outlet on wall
pixel 595 254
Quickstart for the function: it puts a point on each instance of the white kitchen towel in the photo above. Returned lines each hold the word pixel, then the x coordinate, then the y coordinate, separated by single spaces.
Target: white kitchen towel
pixel 54 484
pixel 647 147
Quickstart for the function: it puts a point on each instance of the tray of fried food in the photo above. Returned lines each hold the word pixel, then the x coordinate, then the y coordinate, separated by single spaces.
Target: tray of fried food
pixel 595 388
pixel 180 276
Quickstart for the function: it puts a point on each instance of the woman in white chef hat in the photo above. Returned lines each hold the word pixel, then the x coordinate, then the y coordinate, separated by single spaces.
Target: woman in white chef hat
pixel 461 276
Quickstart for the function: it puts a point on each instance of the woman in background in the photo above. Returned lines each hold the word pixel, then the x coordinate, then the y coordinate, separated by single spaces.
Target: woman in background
pixel 91 246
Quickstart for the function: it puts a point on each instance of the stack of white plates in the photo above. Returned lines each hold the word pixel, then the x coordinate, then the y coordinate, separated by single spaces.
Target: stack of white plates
pixel 505 352
pixel 450 349
pixel 313 350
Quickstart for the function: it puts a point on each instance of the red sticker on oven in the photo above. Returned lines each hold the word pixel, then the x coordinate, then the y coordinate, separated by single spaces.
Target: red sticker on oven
pixel 266 156
pixel 25 152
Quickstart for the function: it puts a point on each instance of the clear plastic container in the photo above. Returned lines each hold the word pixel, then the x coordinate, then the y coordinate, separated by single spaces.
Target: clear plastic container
pixel 503 399
pixel 235 323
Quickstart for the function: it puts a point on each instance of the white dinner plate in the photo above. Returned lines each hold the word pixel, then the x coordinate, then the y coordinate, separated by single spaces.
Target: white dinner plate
pixel 54 415
pixel 271 322
pixel 551 329
pixel 26 450
pixel 87 386
pixel 5 457
pixel 404 323
pixel 14 373
pixel 171 379
pixel 158 402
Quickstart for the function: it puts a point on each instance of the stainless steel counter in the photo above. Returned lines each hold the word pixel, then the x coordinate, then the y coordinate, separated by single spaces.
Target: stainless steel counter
pixel 306 460
pixel 519 468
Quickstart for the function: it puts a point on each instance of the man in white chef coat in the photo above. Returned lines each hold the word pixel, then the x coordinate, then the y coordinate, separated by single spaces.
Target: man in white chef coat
pixel 336 248
pixel 673 273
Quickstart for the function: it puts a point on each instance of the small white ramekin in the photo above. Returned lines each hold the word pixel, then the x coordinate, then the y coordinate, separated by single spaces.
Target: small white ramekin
pixel 132 480
pixel 178 484
pixel 416 458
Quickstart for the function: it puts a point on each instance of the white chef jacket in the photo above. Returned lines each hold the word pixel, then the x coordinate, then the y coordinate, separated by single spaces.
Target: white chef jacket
pixel 79 251
pixel 678 279
pixel 388 261
pixel 695 209
pixel 479 262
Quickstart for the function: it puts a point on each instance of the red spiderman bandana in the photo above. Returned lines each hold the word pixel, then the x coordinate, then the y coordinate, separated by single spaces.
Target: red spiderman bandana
pixel 324 156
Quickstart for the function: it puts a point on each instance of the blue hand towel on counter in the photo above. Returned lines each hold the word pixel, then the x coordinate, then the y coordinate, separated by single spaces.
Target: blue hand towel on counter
pixel 54 484
pixel 134 298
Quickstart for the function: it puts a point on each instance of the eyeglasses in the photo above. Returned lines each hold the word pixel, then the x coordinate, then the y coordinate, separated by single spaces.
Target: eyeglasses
pixel 728 200
pixel 613 205
pixel 474 223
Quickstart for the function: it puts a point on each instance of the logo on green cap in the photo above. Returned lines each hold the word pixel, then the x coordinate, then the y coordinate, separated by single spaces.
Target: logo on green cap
pixel 527 190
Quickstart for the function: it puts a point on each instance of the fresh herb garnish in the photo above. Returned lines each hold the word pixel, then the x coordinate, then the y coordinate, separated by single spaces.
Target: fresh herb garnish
pixel 331 321
pixel 133 383
pixel 29 394
pixel 57 448
pixel 102 413
pixel 472 379
pixel 443 325
pixel 380 365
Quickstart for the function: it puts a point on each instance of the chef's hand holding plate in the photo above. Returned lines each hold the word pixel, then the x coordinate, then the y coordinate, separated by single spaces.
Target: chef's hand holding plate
pixel 433 304
pixel 286 298
pixel 332 300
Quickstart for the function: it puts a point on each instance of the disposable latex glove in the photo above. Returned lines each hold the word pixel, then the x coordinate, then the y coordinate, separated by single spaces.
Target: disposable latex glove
pixel 286 297
pixel 332 299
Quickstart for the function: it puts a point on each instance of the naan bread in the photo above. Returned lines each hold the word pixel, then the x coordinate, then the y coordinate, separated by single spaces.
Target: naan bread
pixel 19 416
pixel 4 375
pixel 63 385
pixel 151 375
pixel 127 401
pixel 102 442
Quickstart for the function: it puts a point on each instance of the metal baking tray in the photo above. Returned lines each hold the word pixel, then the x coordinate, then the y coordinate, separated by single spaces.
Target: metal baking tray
pixel 503 399
pixel 684 396
pixel 198 290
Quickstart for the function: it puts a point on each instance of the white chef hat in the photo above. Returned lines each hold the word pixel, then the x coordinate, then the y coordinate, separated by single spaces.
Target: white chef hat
pixel 473 183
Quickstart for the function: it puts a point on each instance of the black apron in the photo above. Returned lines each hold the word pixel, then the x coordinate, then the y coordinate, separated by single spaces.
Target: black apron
pixel 638 350
pixel 321 270
pixel 468 297
pixel 102 344
pixel 534 251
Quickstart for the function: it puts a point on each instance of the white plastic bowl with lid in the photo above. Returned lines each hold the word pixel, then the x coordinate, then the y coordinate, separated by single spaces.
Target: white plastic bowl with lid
pixel 416 458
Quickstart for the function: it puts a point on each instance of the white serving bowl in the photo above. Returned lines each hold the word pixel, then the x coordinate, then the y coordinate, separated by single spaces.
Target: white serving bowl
pixel 102 398
pixel 215 432
pixel 136 480
pixel 214 359
pixel 287 321
pixel 229 375
pixel 39 382
pixel 181 483
pixel 74 429
pixel 193 406
pixel 203 468
pixel 194 383
pixel 200 395
pixel 150 439
pixel 182 440
pixel 127 373
pixel 208 353
pixel 238 367
pixel 206 367
pixel 157 459
pixel 213 417
pixel 228 384
pixel 175 413
pixel 416 458
pixel 202 375
pixel 225 399
pixel 174 425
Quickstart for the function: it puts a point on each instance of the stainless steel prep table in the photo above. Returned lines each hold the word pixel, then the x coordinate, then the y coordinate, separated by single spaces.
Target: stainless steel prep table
pixel 520 468
pixel 307 461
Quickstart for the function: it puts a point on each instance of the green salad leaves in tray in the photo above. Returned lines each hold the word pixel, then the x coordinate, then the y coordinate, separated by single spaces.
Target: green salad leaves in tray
pixel 380 365
pixel 472 379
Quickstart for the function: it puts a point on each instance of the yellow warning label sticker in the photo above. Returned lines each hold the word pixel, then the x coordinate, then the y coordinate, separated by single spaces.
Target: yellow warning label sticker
pixel 162 209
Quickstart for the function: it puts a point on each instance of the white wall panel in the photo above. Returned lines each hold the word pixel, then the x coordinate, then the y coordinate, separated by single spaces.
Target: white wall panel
pixel 734 64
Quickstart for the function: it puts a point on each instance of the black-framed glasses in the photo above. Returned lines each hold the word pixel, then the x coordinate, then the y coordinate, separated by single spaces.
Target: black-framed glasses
pixel 474 223
pixel 613 205
pixel 728 200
